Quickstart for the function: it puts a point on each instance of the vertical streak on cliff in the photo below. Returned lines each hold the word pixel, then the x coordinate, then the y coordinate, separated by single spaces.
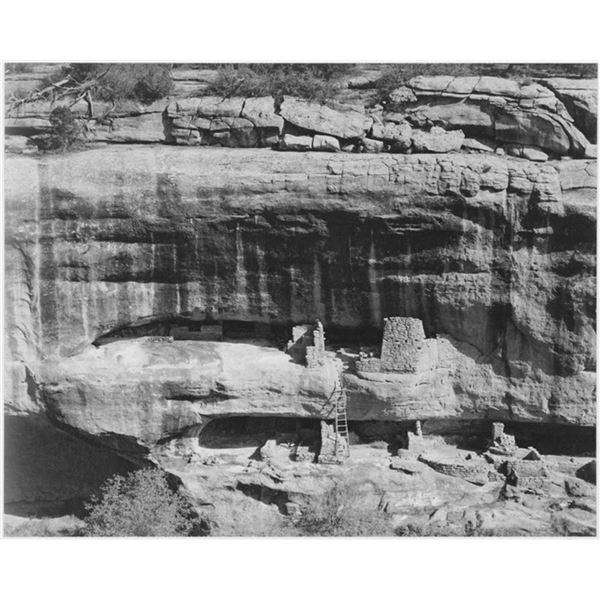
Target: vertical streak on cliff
pixel 293 286
pixel 240 272
pixel 152 295
pixel 36 284
pixel 51 297
pixel 84 303
pixel 264 299
pixel 176 274
pixel 318 306
pixel 374 296
pixel 196 297
pixel 214 295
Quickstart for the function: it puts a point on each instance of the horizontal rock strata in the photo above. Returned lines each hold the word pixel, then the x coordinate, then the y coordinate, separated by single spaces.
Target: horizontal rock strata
pixel 494 255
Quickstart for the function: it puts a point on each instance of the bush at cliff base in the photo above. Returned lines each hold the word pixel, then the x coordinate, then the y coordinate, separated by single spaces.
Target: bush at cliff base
pixel 340 512
pixel 138 504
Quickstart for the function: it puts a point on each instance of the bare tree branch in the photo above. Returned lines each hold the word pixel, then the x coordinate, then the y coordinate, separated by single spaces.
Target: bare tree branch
pixel 59 90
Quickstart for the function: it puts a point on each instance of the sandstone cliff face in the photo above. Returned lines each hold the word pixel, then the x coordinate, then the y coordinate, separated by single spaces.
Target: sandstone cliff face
pixel 496 254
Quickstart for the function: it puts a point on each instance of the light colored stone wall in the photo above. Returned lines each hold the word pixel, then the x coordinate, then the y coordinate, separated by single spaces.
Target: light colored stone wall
pixel 327 454
pixel 403 340
pixel 368 365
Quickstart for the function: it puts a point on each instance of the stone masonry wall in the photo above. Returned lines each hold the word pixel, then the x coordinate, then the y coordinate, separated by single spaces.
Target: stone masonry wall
pixel 403 340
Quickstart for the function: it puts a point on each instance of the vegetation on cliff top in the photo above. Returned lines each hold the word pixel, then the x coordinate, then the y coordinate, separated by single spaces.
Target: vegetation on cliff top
pixel 322 81
pixel 309 81
pixel 143 82
pixel 107 82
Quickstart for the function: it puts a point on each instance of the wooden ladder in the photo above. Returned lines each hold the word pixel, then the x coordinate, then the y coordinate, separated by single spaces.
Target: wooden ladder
pixel 342 451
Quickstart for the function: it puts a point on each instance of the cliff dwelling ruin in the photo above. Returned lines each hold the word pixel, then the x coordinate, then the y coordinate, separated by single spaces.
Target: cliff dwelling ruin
pixel 258 296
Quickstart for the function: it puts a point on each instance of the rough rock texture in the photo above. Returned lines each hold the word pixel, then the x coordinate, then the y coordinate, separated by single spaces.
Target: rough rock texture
pixel 496 108
pixel 147 390
pixel 123 122
pixel 495 255
pixel 580 97
pixel 216 121
pixel 346 124
pixel 555 116
pixel 479 247
pixel 437 140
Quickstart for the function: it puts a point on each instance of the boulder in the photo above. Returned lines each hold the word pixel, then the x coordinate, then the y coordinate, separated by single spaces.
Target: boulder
pixel 473 145
pixel 474 119
pixel 532 454
pixel 299 143
pixel 437 140
pixel 397 133
pixel 147 128
pixel 372 146
pixel 532 129
pixel 528 152
pixel 268 450
pixel 207 106
pixel 578 488
pixel 410 466
pixel 230 122
pixel 326 143
pixel 580 97
pixel 261 113
pixel 534 154
pixel 345 122
pixel 233 132
pixel 501 109
pixel 588 472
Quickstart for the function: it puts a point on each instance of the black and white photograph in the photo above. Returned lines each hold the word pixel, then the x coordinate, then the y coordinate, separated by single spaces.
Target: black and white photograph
pixel 300 299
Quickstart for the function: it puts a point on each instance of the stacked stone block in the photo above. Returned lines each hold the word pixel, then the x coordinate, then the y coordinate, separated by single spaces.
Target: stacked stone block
pixel 368 364
pixel 403 341
pixel 502 443
pixel 328 454
pixel 315 355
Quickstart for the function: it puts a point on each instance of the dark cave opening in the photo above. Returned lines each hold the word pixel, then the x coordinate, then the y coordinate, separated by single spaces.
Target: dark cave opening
pixel 249 431
pixel 242 431
pixel 183 327
pixel 273 333
pixel 554 438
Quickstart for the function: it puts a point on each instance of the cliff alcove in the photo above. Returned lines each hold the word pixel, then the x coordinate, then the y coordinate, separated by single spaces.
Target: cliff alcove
pixel 154 281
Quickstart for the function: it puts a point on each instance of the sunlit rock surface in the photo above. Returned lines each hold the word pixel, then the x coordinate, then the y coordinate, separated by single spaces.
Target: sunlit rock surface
pixel 495 255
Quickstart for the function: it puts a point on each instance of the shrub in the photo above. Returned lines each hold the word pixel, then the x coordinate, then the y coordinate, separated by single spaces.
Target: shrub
pixel 125 81
pixel 139 504
pixel 339 513
pixel 18 93
pixel 65 130
pixel 310 81
pixel 18 67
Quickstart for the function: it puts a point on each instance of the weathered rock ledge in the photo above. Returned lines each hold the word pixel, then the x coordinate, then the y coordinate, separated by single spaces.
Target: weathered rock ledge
pixel 535 120
pixel 495 254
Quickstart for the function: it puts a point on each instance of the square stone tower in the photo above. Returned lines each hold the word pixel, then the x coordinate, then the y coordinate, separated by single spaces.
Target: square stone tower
pixel 403 342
